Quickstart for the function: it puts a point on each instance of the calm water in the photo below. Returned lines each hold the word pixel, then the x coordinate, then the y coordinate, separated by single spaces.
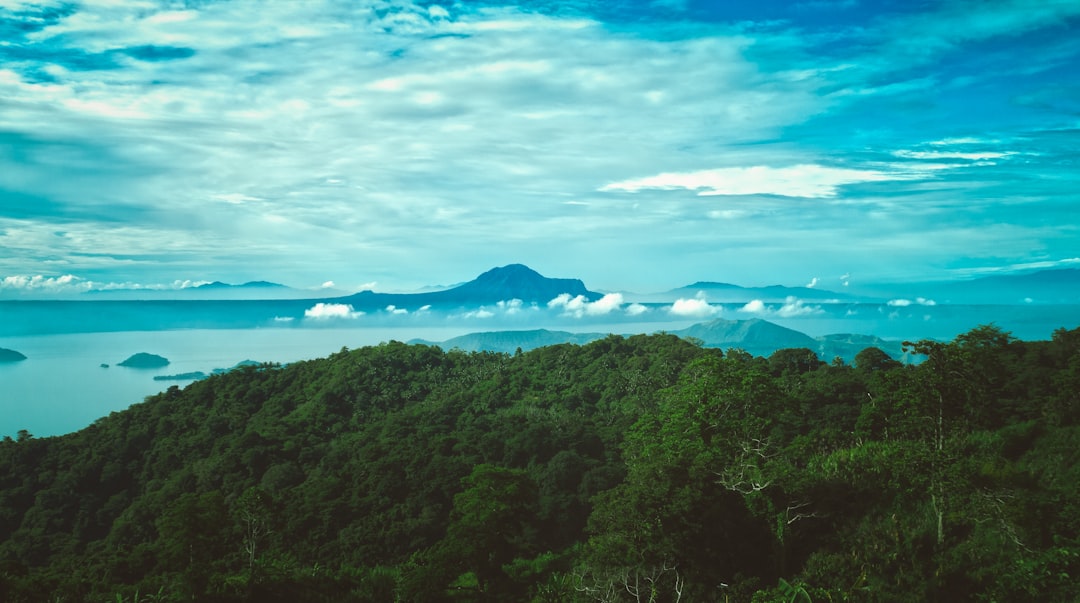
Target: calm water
pixel 62 387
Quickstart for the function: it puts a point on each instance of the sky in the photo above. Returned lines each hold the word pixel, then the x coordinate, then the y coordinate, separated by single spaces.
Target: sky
pixel 636 145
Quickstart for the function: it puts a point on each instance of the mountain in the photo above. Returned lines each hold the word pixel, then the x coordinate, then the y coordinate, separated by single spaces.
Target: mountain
pixel 729 293
pixel 515 281
pixel 144 360
pixel 7 355
pixel 757 337
pixel 1061 286
pixel 406 473
pixel 511 341
pixel 1046 287
pixel 215 291
pixel 847 345
pixel 762 338
pixel 218 285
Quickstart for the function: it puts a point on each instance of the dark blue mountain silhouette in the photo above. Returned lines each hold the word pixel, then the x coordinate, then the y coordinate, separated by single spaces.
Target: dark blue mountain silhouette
pixel 7 355
pixel 515 281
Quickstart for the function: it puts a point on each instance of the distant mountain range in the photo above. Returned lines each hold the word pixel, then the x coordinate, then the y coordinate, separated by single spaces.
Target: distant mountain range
pixel 1061 286
pixel 757 337
pixel 515 281
pixel 928 310
pixel 216 290
pixel 7 355
pixel 729 293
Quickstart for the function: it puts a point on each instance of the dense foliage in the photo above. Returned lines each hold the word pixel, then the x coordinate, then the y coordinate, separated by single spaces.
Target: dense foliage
pixel 630 469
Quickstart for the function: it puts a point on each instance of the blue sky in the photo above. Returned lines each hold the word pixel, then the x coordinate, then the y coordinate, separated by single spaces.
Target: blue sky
pixel 639 146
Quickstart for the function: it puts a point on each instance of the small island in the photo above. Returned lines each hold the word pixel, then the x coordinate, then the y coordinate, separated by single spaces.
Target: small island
pixel 238 365
pixel 145 361
pixel 192 376
pixel 7 355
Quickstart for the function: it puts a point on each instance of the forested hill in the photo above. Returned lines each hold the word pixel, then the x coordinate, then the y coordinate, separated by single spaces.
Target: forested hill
pixel 640 468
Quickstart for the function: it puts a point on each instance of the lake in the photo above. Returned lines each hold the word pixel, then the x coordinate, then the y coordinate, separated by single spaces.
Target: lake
pixel 62 387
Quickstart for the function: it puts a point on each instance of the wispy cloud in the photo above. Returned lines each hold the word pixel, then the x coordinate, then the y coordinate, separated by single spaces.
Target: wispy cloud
pixel 971 156
pixel 919 301
pixel 793 181
pixel 791 308
pixel 72 285
pixel 246 140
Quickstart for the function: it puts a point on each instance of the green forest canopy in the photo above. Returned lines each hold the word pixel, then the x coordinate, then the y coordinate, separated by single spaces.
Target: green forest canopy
pixel 643 468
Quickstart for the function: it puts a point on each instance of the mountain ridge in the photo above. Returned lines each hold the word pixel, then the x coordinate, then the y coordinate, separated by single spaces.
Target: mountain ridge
pixel 513 281
pixel 755 336
pixel 7 355
pixel 1058 285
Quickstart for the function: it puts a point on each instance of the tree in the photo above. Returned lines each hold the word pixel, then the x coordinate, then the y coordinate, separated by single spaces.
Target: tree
pixel 191 530
pixel 254 510
pixel 875 359
pixel 793 361
pixel 491 524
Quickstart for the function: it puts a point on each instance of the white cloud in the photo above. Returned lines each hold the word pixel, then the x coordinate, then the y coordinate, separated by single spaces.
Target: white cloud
pixel 697 307
pixel 727 214
pixel 1039 265
pixel 754 307
pixel 236 198
pixel 795 181
pixel 579 306
pixel 971 156
pixel 45 284
pixel 813 283
pixel 284 319
pixel 959 140
pixel 903 303
pixel 327 285
pixel 512 306
pixel 187 284
pixel 606 304
pixel 324 311
pixel 392 309
pixel 480 313
pixel 281 137
pixel 792 308
pixel 795 307
pixel 636 309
